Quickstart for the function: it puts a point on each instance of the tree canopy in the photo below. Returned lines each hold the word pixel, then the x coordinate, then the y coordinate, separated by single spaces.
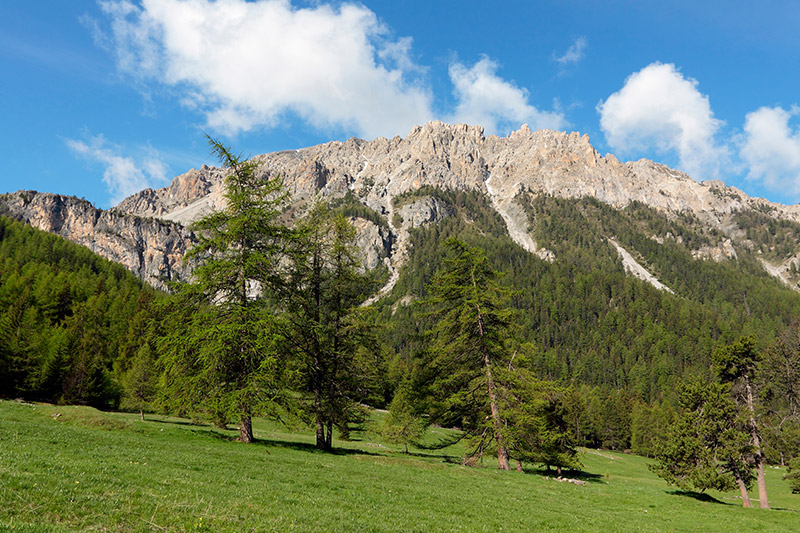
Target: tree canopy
pixel 226 357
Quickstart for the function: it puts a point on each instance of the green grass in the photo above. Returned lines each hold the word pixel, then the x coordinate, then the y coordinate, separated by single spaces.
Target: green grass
pixel 89 470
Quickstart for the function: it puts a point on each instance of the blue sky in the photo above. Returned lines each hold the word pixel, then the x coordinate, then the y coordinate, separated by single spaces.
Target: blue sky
pixel 101 99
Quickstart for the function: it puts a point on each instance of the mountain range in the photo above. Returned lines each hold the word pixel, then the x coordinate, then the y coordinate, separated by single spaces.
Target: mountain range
pixel 147 232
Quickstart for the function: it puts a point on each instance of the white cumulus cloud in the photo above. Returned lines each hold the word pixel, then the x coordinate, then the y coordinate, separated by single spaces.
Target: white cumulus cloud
pixel 659 109
pixel 498 105
pixel 123 175
pixel 246 64
pixel 771 149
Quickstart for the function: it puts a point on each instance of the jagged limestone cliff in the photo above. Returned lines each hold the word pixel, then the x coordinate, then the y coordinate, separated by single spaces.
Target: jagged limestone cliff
pixel 443 156
pixel 152 249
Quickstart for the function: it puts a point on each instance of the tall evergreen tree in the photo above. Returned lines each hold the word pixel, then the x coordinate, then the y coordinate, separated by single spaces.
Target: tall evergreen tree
pixel 227 359
pixel 469 342
pixel 736 364
pixel 324 327
pixel 779 383
pixel 707 446
pixel 538 428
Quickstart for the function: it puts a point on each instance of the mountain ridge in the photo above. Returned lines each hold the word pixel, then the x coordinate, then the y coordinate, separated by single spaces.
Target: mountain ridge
pixel 376 172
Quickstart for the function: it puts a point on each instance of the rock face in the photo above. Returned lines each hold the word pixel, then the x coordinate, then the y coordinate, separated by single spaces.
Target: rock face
pixel 426 210
pixel 444 156
pixel 460 157
pixel 189 197
pixel 150 248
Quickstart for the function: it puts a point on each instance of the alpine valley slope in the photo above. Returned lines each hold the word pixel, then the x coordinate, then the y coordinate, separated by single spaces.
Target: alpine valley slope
pixel 147 232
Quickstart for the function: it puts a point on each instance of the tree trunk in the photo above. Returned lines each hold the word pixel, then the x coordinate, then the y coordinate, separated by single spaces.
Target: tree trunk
pixel 329 436
pixel 502 452
pixel 519 465
pixel 758 455
pixel 141 414
pixel 321 440
pixel 743 491
pixel 558 471
pixel 246 429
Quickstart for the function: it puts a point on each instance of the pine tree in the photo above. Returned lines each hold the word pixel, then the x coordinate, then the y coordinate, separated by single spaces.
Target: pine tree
pixel 736 364
pixel 707 446
pixel 226 359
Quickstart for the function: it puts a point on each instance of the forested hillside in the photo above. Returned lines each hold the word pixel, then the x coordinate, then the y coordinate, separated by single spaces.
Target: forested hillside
pixel 66 317
pixel 592 323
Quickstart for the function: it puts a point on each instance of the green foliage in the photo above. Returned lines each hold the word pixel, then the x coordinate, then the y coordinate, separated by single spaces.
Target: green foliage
pixel 329 337
pixel 649 427
pixel 774 237
pixel 707 445
pixel 225 359
pixel 537 422
pixel 609 412
pixel 63 312
pixel 793 475
pixel 737 360
pixel 779 374
pixel 469 341
pixel 592 323
pixel 402 425
pixel 140 381
pixel 778 380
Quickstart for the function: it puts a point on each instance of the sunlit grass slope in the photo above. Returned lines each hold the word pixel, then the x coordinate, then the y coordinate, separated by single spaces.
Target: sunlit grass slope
pixel 88 470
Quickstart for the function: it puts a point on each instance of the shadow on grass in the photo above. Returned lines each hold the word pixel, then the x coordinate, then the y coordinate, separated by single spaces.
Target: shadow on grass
pixel 580 475
pixel 451 459
pixel 308 447
pixel 699 496
pixel 208 430
pixel 441 443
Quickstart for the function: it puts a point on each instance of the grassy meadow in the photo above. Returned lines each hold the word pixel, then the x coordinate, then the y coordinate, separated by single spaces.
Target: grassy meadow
pixel 94 471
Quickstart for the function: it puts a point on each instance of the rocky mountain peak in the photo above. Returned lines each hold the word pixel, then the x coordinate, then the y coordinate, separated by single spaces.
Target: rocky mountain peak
pixel 443 156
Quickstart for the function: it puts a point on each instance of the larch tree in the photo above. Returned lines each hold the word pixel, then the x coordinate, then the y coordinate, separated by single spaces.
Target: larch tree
pixel 402 424
pixel 736 364
pixel 139 382
pixel 538 428
pixel 469 343
pixel 225 358
pixel 326 331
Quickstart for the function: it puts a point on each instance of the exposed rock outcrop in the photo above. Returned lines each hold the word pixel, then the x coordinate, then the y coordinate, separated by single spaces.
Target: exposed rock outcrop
pixel 426 210
pixel 150 248
pixel 443 156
